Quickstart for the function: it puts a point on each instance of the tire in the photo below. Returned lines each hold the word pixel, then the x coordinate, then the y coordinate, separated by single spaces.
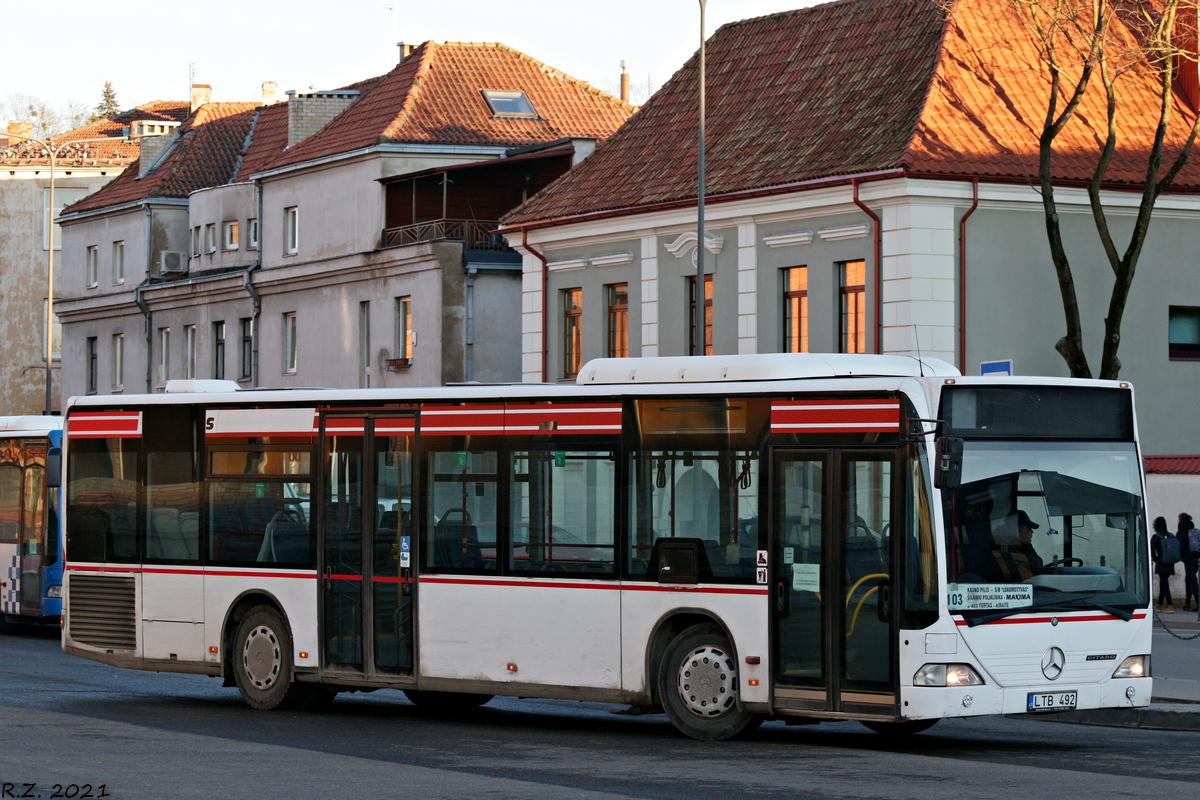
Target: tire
pixel 698 686
pixel 262 662
pixel 905 728
pixel 446 701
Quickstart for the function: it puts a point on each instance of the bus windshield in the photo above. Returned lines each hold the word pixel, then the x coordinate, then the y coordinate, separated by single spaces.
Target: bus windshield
pixel 1046 525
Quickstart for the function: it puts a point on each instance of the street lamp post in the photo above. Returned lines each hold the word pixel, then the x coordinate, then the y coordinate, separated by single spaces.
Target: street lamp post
pixel 53 154
pixel 700 206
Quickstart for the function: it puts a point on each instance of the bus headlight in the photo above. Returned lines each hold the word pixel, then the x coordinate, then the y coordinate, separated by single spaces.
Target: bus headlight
pixel 1133 667
pixel 947 675
pixel 54 591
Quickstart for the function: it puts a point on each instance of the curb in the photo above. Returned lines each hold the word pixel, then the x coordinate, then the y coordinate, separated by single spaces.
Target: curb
pixel 1155 717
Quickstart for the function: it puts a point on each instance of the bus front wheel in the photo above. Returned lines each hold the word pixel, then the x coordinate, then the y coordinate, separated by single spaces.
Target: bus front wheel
pixel 262 661
pixel 698 685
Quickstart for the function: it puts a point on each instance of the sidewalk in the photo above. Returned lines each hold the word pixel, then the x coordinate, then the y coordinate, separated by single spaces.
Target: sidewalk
pixel 1176 702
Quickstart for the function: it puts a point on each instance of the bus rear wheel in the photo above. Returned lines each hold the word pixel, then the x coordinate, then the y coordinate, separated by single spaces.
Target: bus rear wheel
pixel 446 701
pixel 262 661
pixel 698 686
pixel 905 728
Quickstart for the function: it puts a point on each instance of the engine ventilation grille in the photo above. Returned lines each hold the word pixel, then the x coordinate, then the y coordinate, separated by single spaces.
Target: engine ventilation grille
pixel 101 611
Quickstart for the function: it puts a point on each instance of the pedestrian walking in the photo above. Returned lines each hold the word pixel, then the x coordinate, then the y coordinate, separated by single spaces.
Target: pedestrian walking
pixel 1189 546
pixel 1164 549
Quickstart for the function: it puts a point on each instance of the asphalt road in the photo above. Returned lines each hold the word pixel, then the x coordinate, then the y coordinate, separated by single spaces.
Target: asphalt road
pixel 75 723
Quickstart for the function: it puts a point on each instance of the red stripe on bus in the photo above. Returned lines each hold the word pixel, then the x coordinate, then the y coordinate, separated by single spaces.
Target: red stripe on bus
pixel 105 425
pixel 211 572
pixel 392 580
pixel 1036 620
pixel 599 584
pixel 833 416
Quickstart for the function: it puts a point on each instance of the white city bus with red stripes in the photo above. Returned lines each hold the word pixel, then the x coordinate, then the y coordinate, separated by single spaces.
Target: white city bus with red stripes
pixel 724 539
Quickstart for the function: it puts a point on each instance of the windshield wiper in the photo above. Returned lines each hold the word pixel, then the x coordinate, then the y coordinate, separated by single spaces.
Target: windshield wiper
pixel 1088 600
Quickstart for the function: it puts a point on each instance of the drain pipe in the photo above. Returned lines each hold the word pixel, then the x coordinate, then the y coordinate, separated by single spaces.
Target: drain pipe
pixel 878 268
pixel 248 283
pixel 470 365
pixel 141 301
pixel 962 277
pixel 545 302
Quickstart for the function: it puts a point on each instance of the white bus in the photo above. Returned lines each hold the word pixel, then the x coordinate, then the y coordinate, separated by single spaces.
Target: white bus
pixel 30 552
pixel 723 538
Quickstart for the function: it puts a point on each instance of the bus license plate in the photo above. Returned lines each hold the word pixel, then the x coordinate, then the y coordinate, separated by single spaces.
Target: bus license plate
pixel 1052 701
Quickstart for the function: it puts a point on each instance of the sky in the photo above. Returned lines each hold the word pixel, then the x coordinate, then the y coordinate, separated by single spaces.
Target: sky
pixel 149 48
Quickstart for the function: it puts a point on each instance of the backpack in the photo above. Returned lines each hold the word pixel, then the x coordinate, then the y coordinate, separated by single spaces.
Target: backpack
pixel 1170 549
pixel 1194 542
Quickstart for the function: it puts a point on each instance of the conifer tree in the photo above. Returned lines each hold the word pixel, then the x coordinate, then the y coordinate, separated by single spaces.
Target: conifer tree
pixel 108 106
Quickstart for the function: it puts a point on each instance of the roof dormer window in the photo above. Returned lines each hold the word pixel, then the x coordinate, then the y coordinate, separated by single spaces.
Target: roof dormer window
pixel 509 104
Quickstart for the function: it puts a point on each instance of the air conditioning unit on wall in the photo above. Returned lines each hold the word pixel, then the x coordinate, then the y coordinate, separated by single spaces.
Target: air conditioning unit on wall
pixel 172 263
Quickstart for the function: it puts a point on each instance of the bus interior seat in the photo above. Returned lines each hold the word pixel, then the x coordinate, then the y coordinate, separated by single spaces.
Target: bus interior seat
pixel 285 540
pixel 862 557
pixel 169 539
pixel 456 541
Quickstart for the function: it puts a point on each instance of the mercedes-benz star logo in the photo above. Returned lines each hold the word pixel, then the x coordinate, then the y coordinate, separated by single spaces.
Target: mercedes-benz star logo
pixel 1053 662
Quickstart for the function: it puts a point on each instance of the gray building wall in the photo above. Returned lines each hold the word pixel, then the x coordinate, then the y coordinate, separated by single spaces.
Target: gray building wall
pixel 1014 308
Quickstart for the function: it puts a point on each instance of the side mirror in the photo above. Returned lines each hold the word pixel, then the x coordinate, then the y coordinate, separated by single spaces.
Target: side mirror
pixel 948 472
pixel 54 467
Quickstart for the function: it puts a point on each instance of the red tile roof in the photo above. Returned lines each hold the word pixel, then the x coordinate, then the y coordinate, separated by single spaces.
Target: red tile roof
pixel 97 153
pixel 435 97
pixel 207 152
pixel 853 87
pixel 1173 465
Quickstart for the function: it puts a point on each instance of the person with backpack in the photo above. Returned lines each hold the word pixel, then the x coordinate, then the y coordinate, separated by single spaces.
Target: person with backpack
pixel 1164 549
pixel 1189 544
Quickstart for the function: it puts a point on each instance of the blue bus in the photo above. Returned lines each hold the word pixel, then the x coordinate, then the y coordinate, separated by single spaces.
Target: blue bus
pixel 30 546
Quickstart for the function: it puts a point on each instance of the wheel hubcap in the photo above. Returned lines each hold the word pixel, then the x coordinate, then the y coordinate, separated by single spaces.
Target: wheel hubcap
pixel 707 681
pixel 261 657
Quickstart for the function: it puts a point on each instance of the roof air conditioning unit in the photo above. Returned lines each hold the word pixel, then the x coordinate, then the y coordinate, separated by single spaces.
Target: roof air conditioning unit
pixel 172 263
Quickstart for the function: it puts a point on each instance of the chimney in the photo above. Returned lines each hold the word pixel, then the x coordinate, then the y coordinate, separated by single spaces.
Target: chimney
pixel 270 93
pixel 406 50
pixel 20 130
pixel 624 80
pixel 308 113
pixel 201 94
pixel 149 149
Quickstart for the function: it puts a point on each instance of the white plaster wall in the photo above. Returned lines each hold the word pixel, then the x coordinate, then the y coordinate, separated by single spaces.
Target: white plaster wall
pixel 919 308
pixel 747 264
pixel 650 304
pixel 232 203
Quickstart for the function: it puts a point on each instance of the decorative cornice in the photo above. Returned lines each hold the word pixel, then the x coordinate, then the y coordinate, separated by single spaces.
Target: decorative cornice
pixel 565 266
pixel 789 239
pixel 845 232
pixel 686 242
pixel 614 260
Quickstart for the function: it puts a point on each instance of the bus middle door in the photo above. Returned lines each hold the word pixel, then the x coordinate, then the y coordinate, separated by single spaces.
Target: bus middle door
pixel 831 514
pixel 367 621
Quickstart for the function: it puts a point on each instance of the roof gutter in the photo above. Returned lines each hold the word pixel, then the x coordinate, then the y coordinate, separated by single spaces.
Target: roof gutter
pixel 545 300
pixel 727 197
pixel 141 301
pixel 878 267
pixel 248 283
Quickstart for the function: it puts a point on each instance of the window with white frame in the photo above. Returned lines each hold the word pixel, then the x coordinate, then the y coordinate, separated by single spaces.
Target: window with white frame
pixel 210 237
pixel 118 362
pixel 252 233
pixel 291 230
pixel 364 344
pixel 289 343
pixel 91 364
pixel 189 351
pixel 196 241
pixel 62 199
pixel 92 267
pixel 219 350
pixel 164 355
pixel 55 333
pixel 405 339
pixel 246 349
pixel 229 235
pixel 118 263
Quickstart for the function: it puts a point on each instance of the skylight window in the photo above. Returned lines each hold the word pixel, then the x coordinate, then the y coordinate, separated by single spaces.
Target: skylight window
pixel 509 104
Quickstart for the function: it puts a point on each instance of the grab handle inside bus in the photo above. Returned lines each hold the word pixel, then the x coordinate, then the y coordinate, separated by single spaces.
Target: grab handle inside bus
pixel 54 467
pixel 948 472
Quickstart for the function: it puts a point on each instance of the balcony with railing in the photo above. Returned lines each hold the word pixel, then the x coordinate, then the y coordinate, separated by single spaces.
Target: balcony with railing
pixel 464 202
pixel 473 233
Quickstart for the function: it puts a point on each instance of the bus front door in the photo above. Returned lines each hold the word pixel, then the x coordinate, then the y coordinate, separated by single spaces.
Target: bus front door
pixel 366 567
pixel 831 584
